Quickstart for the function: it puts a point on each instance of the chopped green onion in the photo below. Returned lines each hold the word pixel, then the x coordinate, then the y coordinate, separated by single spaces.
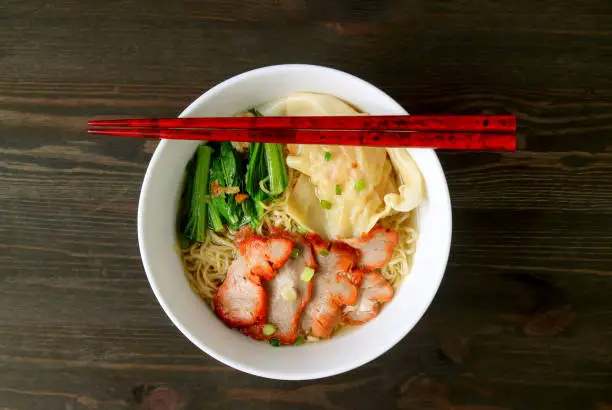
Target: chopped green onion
pixel 301 229
pixel 324 252
pixel 299 341
pixel 255 112
pixel 338 190
pixel 327 155
pixel 361 184
pixel 326 204
pixel 275 342
pixel 307 274
pixel 295 253
pixel 289 294
pixel 268 329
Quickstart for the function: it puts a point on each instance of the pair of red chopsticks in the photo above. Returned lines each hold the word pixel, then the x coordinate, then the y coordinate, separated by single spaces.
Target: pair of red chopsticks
pixel 455 132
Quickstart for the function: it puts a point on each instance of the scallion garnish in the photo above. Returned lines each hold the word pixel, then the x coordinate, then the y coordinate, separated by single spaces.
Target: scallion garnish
pixel 289 294
pixel 295 253
pixel 361 184
pixel 307 274
pixel 328 155
pixel 275 342
pixel 324 252
pixel 299 341
pixel 326 204
pixel 268 329
pixel 338 190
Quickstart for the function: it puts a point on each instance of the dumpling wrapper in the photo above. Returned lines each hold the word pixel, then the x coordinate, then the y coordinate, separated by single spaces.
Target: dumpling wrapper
pixel 354 211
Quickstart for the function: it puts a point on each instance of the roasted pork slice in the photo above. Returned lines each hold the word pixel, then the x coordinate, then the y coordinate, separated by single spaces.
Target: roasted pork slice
pixel 240 301
pixel 288 295
pixel 265 256
pixel 331 288
pixel 374 291
pixel 352 273
pixel 375 247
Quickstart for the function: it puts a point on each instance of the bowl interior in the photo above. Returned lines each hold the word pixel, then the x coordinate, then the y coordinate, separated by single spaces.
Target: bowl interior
pixel 156 233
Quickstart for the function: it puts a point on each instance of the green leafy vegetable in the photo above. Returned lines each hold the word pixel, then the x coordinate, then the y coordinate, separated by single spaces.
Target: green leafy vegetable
pixel 185 201
pixel 226 172
pixel 256 171
pixel 184 243
pixel 219 170
pixel 214 219
pixel 231 165
pixel 194 228
pixel 248 212
pixel 259 207
pixel 276 168
pixel 223 203
pixel 266 162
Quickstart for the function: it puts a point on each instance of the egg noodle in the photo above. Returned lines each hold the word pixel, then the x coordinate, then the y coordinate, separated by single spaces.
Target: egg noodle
pixel 206 264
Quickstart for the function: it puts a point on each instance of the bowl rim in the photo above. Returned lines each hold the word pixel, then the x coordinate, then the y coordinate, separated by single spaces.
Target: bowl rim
pixel 443 255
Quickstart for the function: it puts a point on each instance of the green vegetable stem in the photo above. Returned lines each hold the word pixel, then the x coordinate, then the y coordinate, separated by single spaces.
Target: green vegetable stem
pixel 276 168
pixel 214 219
pixel 256 171
pixel 196 189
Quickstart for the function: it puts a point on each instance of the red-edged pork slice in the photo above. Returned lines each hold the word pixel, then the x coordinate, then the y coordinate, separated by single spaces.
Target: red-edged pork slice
pixel 375 247
pixel 240 301
pixel 265 255
pixel 352 273
pixel 331 288
pixel 288 295
pixel 374 291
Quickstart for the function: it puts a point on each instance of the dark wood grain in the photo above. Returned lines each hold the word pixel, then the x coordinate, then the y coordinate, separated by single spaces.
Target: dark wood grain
pixel 79 326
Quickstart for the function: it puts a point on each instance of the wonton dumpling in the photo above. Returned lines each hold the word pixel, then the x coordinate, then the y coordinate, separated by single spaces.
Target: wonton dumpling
pixel 363 176
pixel 305 104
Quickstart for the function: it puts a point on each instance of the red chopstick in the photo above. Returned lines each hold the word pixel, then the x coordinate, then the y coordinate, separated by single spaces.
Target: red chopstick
pixel 473 141
pixel 468 132
pixel 455 123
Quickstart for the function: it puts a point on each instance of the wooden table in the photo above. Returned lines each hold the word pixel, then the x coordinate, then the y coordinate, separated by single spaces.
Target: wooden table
pixel 523 319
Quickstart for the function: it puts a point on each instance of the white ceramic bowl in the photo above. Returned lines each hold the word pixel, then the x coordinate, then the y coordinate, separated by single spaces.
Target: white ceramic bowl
pixel 156 235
